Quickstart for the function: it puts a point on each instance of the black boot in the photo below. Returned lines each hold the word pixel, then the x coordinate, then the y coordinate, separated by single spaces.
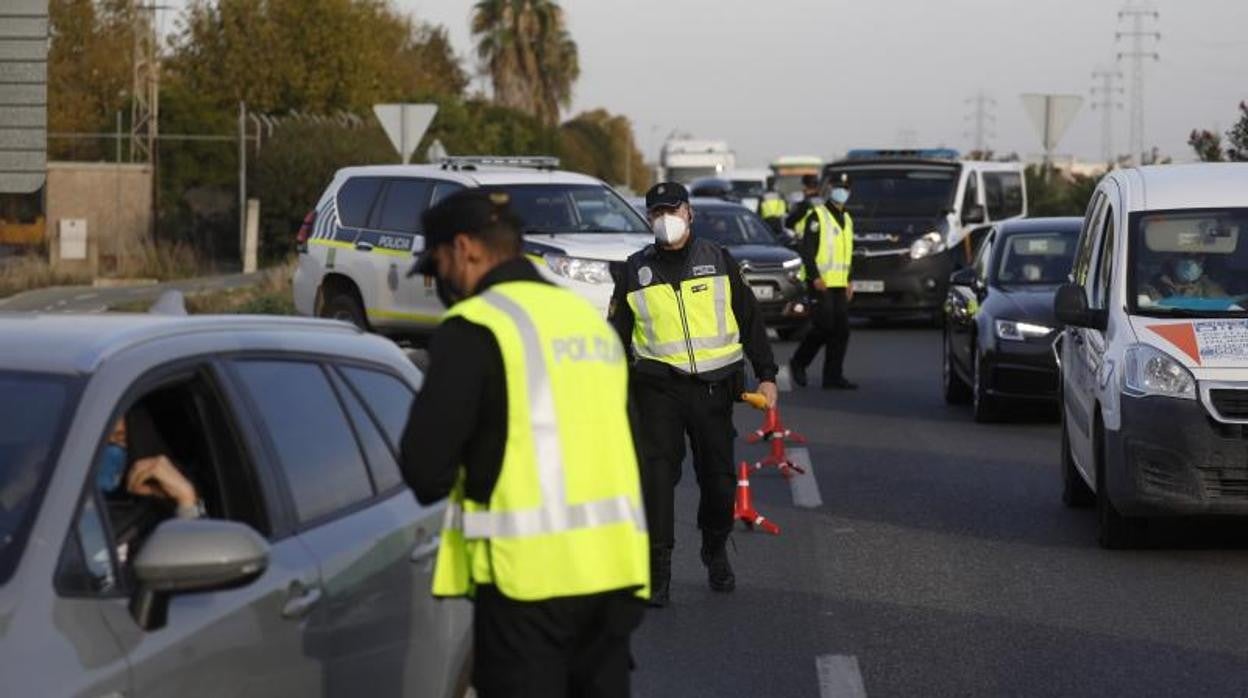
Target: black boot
pixel 660 577
pixel 715 556
pixel 798 373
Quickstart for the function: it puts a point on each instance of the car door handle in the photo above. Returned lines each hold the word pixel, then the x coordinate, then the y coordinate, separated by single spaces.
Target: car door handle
pixel 364 246
pixel 301 602
pixel 426 550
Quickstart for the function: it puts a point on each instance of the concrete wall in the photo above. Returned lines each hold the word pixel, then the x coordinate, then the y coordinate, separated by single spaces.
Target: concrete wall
pixel 115 200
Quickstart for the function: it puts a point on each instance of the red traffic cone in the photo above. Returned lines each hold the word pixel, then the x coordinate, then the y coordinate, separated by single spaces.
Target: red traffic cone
pixel 779 458
pixel 743 508
pixel 774 429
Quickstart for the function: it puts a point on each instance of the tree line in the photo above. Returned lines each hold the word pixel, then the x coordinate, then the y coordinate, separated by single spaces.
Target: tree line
pixel 306 59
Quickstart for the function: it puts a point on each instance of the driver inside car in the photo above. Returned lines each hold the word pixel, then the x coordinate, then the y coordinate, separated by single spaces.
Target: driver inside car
pixel 1183 277
pixel 141 491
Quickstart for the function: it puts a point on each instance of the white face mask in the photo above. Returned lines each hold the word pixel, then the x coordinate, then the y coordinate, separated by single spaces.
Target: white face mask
pixel 669 229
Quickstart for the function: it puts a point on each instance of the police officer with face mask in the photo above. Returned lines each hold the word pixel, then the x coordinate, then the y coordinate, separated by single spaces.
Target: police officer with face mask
pixel 827 247
pixel 689 321
pixel 523 422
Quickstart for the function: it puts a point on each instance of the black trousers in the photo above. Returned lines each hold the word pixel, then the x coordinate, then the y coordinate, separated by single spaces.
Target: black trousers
pixel 829 331
pixel 558 648
pixel 667 409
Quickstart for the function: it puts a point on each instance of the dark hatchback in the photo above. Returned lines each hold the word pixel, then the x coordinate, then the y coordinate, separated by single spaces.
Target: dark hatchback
pixel 768 267
pixel 999 324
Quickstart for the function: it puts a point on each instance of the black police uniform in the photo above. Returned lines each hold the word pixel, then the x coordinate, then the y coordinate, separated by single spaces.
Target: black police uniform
pixel 668 404
pixel 829 315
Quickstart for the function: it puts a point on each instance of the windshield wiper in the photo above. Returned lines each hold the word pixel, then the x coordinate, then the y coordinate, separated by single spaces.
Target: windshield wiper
pixel 1163 311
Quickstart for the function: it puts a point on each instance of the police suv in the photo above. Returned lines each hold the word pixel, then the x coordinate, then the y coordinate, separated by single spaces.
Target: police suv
pixel 356 247
pixel 918 216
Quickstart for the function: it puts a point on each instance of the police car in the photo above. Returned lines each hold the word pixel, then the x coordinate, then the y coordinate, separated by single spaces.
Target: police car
pixel 356 247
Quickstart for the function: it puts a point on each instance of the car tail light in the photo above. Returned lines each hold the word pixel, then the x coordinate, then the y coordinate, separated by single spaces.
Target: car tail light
pixel 305 231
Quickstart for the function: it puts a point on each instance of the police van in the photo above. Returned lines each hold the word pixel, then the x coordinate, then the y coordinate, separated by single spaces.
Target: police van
pixel 356 247
pixel 1154 357
pixel 918 216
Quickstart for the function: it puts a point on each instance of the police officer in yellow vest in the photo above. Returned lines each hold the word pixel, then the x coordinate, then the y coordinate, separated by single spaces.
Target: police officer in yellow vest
pixel 689 319
pixel 812 197
pixel 772 207
pixel 523 422
pixel 827 248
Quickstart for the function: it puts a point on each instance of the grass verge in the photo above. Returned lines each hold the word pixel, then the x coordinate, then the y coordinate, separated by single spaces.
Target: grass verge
pixel 271 295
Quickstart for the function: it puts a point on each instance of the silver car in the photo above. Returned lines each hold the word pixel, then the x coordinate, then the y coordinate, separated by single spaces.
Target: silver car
pixel 306 574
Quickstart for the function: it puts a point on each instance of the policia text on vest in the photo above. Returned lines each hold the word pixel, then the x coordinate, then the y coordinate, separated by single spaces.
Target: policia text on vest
pixel 523 422
pixel 688 319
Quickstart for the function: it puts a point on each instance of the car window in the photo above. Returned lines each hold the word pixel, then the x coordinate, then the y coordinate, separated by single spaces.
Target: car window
pixel 379 454
pixel 355 200
pixel 1036 258
pixel 1003 194
pixel 1189 260
pixel 31 431
pixel 984 254
pixel 732 226
pixel 312 441
pixel 441 190
pixel 971 196
pixel 87 566
pixel 403 203
pixel 573 208
pixel 1104 263
pixel 1087 240
pixel 388 399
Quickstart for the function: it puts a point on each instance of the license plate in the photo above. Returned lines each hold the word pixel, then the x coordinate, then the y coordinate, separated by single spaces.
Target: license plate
pixel 868 286
pixel 764 293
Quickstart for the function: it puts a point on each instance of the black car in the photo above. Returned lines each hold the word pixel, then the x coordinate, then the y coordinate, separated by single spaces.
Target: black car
pixel 768 267
pixel 999 322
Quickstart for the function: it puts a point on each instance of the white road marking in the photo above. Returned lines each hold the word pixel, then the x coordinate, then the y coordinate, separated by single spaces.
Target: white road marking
pixel 784 381
pixel 839 676
pixel 803 486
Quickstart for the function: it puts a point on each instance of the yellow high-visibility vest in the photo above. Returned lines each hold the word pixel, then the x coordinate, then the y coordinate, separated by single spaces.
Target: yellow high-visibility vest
pixel 835 255
pixel 690 327
pixel 566 516
pixel 772 206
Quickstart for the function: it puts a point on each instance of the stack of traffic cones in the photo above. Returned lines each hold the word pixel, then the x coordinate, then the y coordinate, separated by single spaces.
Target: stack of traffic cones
pixel 743 509
pixel 776 434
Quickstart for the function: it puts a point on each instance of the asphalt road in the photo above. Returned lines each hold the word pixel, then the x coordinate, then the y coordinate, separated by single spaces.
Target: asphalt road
pixel 941 562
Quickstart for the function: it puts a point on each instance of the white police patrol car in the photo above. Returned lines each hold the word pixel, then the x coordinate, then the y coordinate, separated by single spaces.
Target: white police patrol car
pixel 356 247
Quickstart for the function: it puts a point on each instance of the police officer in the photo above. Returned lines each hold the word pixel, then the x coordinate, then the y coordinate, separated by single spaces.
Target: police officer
pixel 827 248
pixel 523 422
pixel 812 197
pixel 772 208
pixel 688 318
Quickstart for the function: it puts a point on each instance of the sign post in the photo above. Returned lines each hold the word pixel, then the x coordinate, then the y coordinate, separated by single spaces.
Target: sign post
pixel 1051 115
pixel 23 95
pixel 405 124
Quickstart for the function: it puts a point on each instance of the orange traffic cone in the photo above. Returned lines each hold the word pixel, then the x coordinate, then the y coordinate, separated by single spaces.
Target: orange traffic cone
pixel 743 508
pixel 776 434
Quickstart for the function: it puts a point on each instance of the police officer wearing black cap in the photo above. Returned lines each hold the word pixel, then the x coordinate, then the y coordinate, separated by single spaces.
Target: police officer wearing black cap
pixel 812 197
pixel 689 320
pixel 523 423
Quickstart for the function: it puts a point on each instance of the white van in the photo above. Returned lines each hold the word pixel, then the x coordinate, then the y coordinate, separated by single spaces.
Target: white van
pixel 1154 358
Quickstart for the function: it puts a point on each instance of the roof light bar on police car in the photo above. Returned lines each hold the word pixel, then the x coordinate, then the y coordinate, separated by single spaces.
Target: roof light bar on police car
pixel 910 154
pixel 540 162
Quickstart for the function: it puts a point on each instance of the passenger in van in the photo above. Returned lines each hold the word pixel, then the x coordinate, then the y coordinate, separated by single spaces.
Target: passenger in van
pixel 1183 277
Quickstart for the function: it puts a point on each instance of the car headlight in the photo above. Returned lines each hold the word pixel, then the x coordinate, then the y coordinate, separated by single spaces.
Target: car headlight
pixel 930 244
pixel 1149 371
pixel 793 263
pixel 1016 331
pixel 590 271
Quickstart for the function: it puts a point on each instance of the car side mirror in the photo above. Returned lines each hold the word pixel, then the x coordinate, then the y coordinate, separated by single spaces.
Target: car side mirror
pixel 185 555
pixel 973 214
pixel 966 276
pixel 1071 307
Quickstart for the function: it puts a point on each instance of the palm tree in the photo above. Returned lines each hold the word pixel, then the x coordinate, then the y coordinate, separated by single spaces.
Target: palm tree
pixel 531 58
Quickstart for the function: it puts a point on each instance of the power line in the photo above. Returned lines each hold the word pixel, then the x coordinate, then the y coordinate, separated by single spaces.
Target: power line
pixel 983 120
pixel 1143 43
pixel 1107 97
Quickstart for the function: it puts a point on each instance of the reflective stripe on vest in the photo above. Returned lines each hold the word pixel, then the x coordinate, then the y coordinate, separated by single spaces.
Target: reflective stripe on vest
pixel 514 541
pixel 667 324
pixel 834 257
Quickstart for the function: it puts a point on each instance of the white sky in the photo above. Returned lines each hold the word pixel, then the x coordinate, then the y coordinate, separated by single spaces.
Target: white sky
pixel 820 76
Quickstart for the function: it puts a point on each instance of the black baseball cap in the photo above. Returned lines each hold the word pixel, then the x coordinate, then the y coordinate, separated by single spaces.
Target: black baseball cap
pixel 668 194
pixel 840 180
pixel 810 181
pixel 468 212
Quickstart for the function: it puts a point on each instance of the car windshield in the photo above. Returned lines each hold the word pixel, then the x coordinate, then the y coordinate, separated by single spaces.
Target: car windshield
pixel 1189 262
pixel 1037 258
pixel 901 193
pixel 748 187
pixel 573 208
pixel 737 226
pixel 33 413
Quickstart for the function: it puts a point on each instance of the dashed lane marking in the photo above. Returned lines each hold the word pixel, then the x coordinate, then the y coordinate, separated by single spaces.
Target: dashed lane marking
pixel 839 676
pixel 803 486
